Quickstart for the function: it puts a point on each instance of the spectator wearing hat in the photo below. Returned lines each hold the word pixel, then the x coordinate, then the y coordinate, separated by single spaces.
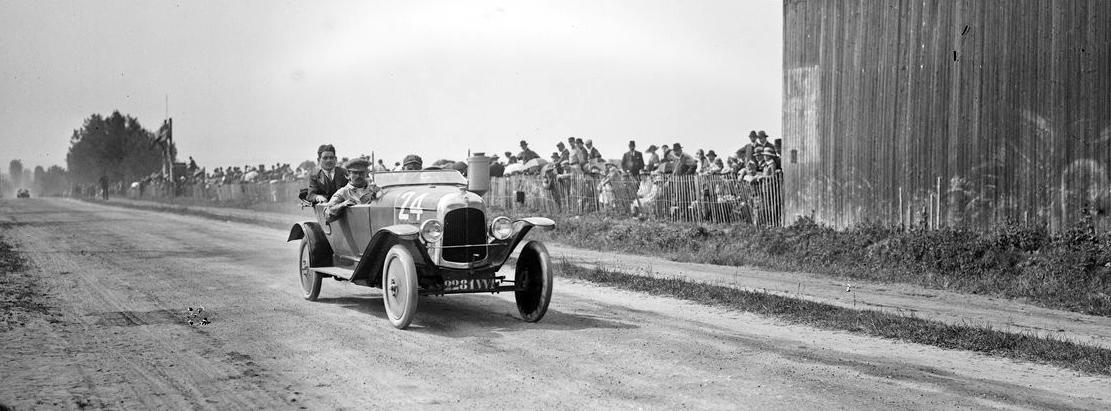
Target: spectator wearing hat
pixel 556 164
pixel 632 161
pixel 497 169
pixel 750 153
pixel 564 155
pixel 329 178
pixel 770 163
pixel 526 153
pixel 667 161
pixel 762 143
pixel 713 164
pixel 653 159
pixel 359 190
pixel 412 162
pixel 703 163
pixel 592 152
pixel 579 156
pixel 684 163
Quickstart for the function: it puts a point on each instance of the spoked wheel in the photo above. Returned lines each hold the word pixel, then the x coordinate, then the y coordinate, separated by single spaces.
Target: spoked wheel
pixel 534 280
pixel 310 280
pixel 399 286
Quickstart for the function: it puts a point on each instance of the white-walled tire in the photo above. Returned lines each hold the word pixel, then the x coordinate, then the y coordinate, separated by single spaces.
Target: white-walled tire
pixel 310 280
pixel 399 286
pixel 534 279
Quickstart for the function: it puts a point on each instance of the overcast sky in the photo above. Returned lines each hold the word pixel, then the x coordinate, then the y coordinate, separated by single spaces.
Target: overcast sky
pixel 268 81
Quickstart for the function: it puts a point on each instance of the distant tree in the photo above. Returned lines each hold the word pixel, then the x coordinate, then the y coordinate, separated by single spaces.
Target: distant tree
pixel 57 181
pixel 116 146
pixel 39 179
pixel 15 173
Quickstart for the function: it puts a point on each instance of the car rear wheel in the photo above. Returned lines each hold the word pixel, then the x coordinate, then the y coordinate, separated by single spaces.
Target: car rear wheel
pixel 534 281
pixel 310 280
pixel 399 286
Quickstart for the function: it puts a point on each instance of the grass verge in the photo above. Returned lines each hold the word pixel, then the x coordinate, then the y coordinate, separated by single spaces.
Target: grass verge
pixel 984 340
pixel 1069 270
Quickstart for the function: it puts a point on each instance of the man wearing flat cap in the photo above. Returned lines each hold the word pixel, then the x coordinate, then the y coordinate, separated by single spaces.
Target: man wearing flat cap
pixel 357 191
pixel 328 178
pixel 412 162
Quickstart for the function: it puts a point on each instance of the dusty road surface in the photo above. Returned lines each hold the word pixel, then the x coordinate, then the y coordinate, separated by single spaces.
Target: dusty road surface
pixel 121 283
pixel 932 304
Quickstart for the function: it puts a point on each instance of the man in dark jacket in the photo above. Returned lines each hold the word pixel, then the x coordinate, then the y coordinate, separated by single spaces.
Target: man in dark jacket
pixel 633 161
pixel 328 178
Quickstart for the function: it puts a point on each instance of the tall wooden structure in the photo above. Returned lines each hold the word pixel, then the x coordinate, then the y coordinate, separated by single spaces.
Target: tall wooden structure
pixel 947 112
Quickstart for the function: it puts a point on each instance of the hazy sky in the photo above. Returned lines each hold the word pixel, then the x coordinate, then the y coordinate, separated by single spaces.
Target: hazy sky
pixel 268 81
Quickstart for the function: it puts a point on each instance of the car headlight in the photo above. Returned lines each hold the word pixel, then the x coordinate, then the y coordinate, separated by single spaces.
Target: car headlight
pixel 432 230
pixel 501 228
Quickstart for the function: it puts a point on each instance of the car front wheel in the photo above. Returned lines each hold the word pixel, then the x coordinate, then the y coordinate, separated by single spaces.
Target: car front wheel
pixel 534 281
pixel 399 286
pixel 310 280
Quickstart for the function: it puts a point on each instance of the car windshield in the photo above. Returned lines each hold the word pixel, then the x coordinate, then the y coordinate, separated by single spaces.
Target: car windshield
pixel 421 177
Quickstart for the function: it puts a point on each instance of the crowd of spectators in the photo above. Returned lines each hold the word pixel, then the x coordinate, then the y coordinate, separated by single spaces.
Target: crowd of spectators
pixel 757 159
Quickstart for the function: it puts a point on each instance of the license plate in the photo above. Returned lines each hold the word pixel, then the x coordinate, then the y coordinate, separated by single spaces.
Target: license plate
pixel 471 284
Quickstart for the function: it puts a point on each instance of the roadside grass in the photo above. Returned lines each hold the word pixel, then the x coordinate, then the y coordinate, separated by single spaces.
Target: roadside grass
pixel 985 340
pixel 1070 270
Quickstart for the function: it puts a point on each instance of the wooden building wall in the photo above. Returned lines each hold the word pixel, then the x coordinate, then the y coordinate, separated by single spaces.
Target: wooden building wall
pixel 948 112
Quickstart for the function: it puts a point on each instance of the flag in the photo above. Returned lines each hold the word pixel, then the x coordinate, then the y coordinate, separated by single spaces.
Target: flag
pixel 165 133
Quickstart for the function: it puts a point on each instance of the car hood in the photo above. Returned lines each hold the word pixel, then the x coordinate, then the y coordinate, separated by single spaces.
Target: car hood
pixel 429 198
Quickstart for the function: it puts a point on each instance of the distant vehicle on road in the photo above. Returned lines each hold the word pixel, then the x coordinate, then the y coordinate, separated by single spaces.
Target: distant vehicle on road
pixel 425 235
pixel 23 193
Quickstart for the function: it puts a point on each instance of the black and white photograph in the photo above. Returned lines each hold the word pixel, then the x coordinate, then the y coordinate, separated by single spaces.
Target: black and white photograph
pixel 540 204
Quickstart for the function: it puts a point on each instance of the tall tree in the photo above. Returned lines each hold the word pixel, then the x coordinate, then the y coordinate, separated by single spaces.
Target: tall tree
pixel 116 146
pixel 39 179
pixel 15 173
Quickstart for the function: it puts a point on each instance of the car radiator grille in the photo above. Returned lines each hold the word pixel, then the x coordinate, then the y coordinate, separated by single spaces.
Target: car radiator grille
pixel 464 226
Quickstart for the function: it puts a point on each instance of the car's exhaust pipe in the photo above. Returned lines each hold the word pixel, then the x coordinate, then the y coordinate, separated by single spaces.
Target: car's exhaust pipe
pixel 478 173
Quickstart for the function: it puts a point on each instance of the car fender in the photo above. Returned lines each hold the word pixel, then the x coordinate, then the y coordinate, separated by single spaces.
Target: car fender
pixel 527 223
pixel 320 249
pixel 369 270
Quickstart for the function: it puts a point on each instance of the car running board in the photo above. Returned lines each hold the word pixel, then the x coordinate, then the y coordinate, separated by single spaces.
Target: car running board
pixel 337 272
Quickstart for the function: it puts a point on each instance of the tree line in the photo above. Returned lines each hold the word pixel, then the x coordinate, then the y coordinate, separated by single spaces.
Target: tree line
pixel 114 146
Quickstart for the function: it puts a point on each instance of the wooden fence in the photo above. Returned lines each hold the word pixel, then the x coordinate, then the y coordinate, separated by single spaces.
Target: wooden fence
pixel 713 198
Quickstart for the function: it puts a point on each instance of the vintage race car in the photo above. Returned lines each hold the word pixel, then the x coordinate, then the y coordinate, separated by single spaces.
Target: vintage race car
pixel 425 235
pixel 23 193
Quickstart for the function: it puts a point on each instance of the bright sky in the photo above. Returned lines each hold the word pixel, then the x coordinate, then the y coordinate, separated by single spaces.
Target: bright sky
pixel 253 82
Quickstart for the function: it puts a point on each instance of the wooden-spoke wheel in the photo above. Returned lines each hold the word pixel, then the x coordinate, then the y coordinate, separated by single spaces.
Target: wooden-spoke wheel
pixel 399 286
pixel 534 281
pixel 310 280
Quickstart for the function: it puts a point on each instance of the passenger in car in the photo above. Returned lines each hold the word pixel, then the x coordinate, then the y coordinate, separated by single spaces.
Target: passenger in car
pixel 329 178
pixel 360 190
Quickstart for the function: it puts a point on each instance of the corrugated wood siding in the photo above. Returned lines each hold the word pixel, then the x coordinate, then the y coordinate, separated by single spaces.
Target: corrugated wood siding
pixel 964 113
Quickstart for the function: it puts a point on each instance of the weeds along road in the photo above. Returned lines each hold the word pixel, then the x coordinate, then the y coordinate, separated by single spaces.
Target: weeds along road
pixel 121 282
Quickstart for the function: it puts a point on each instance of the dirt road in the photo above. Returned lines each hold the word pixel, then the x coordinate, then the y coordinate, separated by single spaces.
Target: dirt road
pixel 122 282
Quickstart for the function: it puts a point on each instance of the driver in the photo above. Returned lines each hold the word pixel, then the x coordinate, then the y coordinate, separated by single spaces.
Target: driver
pixel 359 190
